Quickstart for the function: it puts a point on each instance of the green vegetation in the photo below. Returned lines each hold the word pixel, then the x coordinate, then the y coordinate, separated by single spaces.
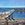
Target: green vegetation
pixel 20 10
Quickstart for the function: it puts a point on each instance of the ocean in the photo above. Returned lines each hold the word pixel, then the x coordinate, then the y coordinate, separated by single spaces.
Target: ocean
pixel 15 14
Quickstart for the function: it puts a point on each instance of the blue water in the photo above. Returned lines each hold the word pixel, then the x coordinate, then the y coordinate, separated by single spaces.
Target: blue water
pixel 15 14
pixel 5 9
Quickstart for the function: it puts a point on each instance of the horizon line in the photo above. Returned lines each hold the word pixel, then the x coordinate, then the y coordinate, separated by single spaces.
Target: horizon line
pixel 12 6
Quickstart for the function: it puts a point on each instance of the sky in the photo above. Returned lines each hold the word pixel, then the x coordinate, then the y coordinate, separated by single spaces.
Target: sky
pixel 12 2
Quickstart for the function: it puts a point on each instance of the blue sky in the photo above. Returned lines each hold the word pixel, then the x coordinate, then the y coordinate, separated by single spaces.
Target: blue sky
pixel 12 2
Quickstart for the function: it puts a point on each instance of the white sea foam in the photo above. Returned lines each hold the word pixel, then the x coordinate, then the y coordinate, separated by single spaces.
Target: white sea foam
pixel 8 12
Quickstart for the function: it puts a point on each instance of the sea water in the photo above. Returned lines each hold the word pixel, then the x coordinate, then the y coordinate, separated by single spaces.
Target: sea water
pixel 15 14
pixel 20 15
